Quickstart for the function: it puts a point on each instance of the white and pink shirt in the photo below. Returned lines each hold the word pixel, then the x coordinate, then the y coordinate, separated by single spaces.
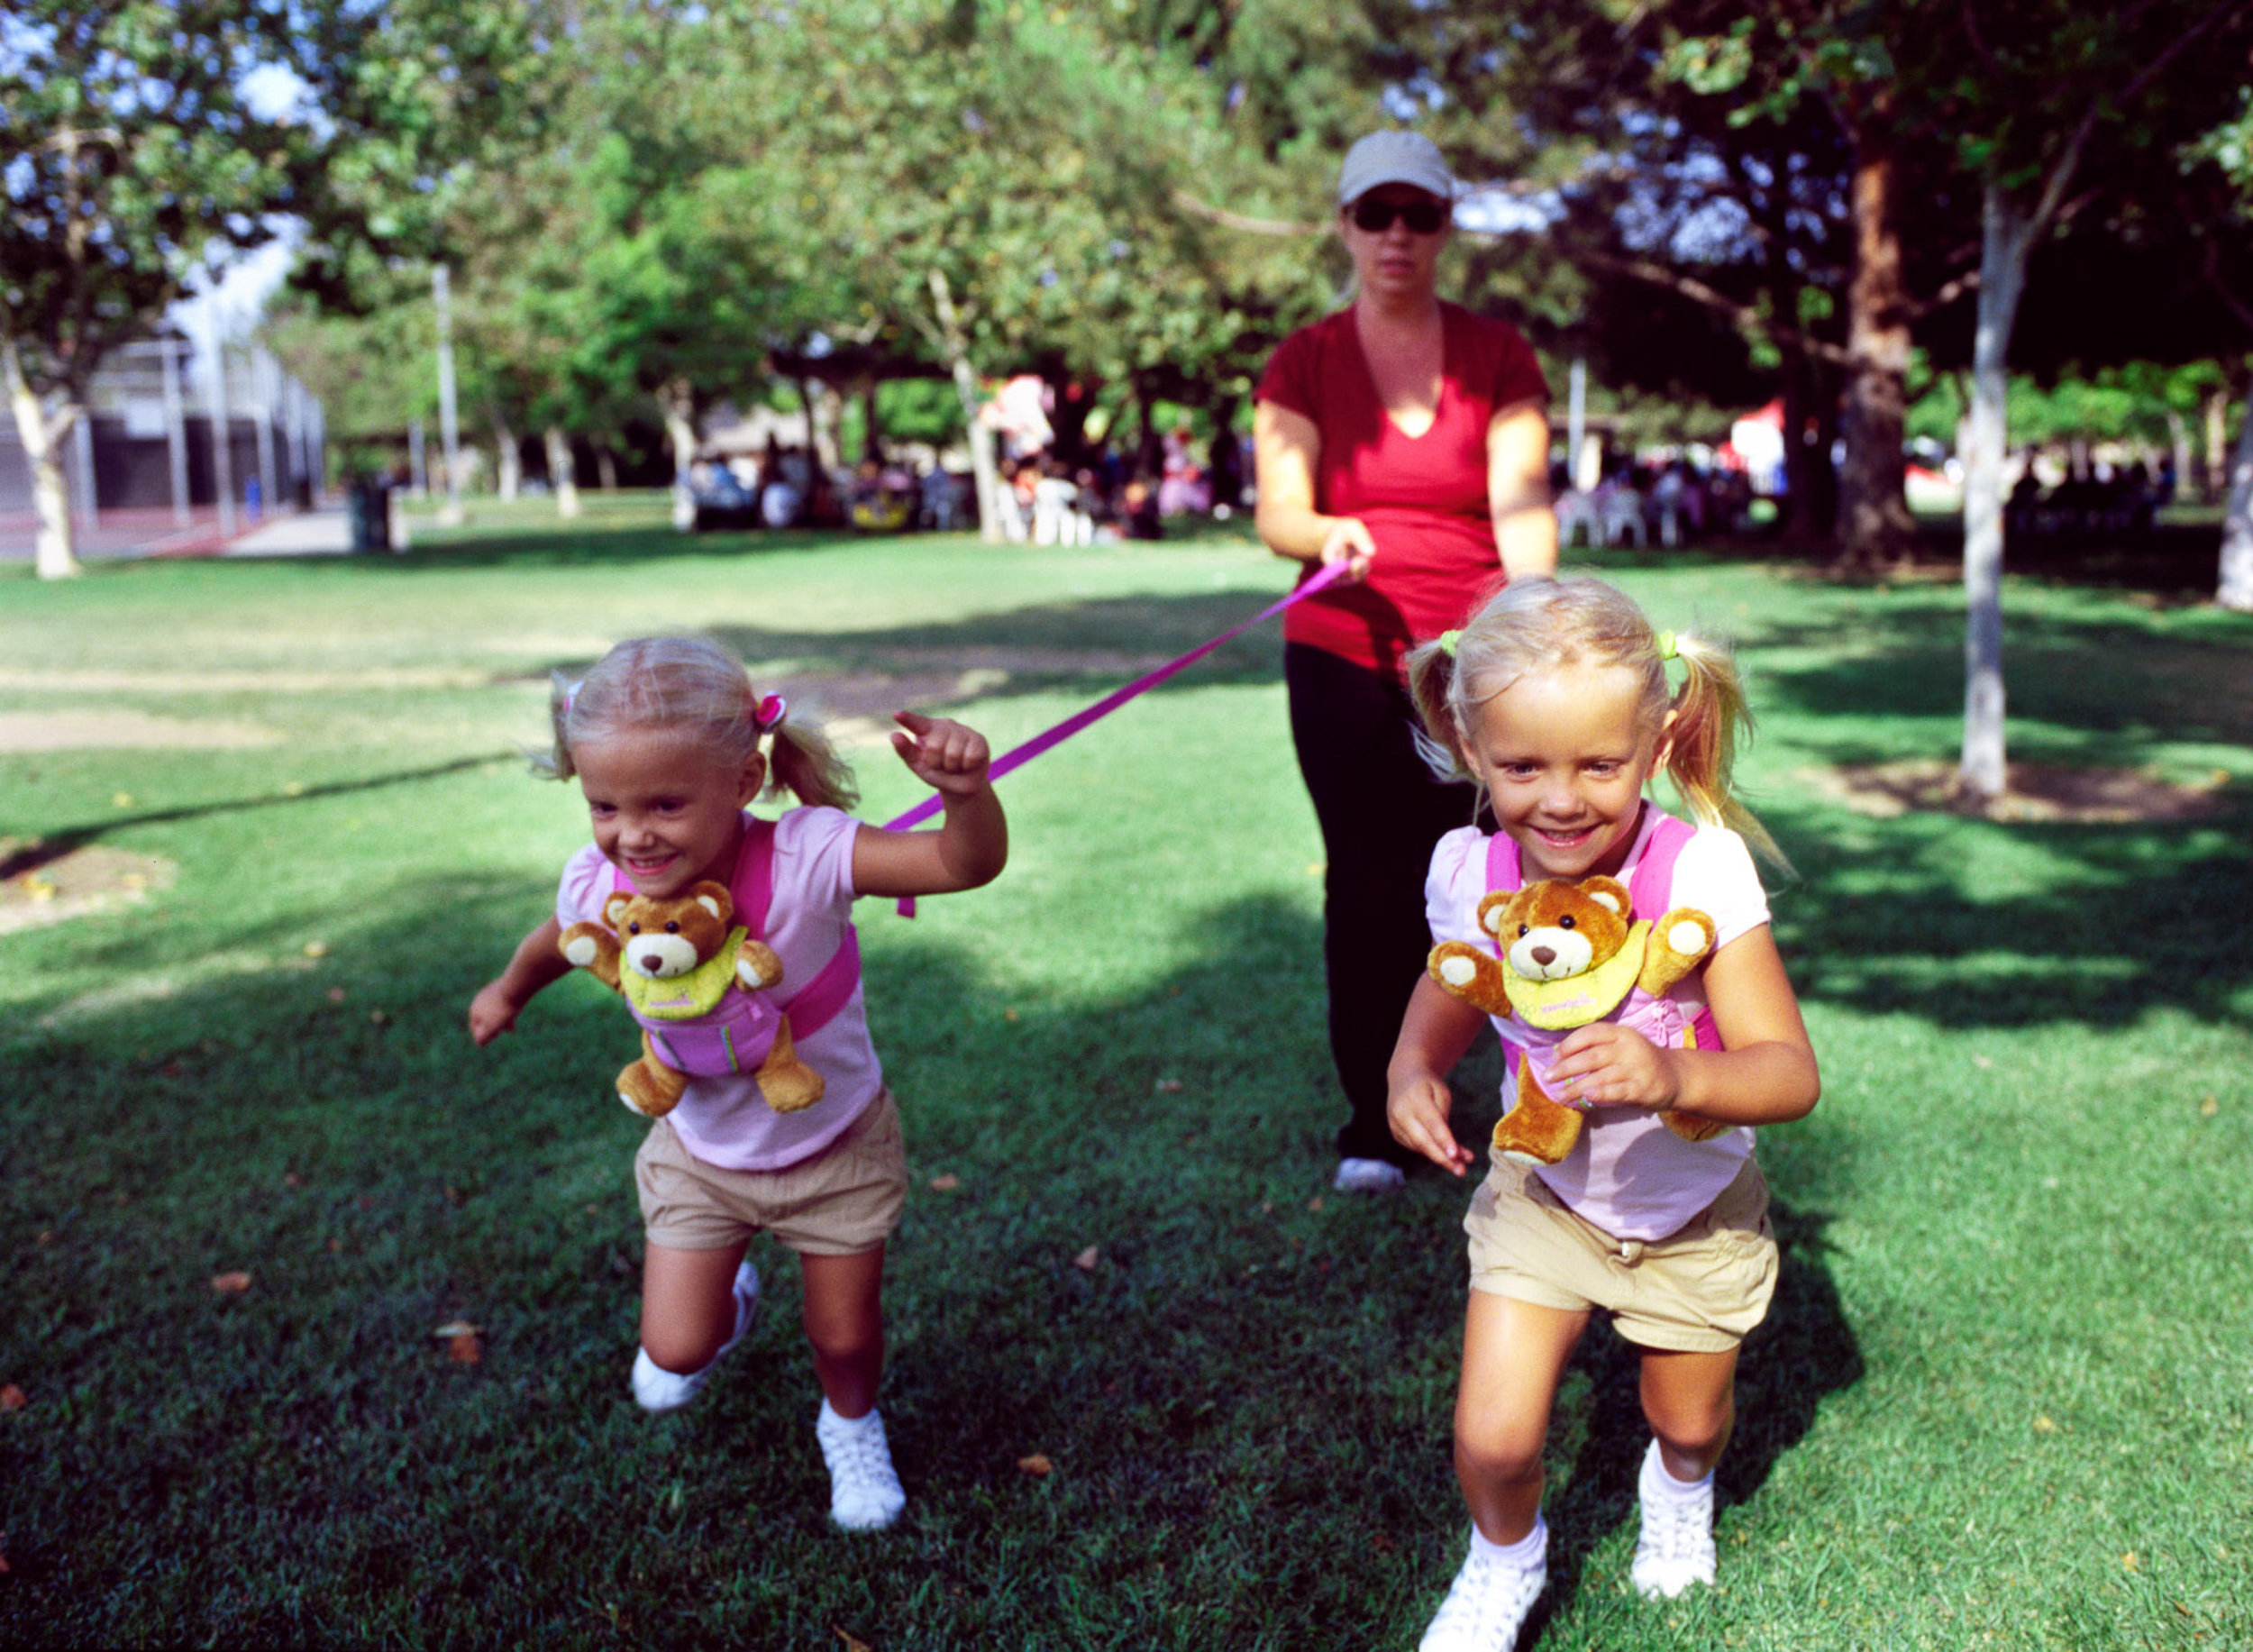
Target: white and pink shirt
pixel 1628 1173
pixel 724 1120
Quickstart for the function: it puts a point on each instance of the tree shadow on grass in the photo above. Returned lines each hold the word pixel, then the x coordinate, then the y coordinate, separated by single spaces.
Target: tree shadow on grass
pixel 48 846
pixel 1804 1351
pixel 1242 1392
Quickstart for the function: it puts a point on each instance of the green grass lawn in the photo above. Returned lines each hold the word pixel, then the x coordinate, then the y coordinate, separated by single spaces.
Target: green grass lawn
pixel 2004 1398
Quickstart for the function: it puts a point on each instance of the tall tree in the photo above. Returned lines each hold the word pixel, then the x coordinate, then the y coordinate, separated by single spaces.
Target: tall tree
pixel 2045 98
pixel 131 147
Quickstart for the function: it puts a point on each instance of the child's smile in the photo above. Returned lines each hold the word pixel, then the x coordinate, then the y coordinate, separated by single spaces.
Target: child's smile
pixel 665 810
pixel 1564 764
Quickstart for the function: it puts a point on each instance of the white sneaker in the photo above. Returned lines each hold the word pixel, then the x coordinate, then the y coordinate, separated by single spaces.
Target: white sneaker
pixel 1368 1176
pixel 1675 1548
pixel 1485 1608
pixel 864 1493
pixel 656 1389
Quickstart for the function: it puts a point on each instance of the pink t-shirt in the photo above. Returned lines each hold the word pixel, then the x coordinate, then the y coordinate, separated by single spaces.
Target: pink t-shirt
pixel 1628 1173
pixel 724 1120
pixel 1424 498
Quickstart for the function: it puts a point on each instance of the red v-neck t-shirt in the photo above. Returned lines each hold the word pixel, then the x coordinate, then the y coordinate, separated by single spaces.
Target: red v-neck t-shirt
pixel 1423 497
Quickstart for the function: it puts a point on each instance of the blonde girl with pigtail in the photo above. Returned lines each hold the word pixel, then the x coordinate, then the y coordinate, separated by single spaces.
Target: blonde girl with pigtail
pixel 670 744
pixel 1555 701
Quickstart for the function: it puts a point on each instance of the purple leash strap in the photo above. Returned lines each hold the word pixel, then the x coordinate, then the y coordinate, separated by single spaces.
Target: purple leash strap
pixel 1019 756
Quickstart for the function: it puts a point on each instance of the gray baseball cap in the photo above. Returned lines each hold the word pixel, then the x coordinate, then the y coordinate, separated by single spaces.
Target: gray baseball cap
pixel 1394 158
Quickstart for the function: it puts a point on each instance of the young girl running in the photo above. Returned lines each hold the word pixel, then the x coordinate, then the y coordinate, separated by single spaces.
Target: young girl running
pixel 670 742
pixel 1553 700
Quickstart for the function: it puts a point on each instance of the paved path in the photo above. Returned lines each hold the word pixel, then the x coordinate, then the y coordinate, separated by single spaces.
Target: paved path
pixel 318 532
pixel 119 535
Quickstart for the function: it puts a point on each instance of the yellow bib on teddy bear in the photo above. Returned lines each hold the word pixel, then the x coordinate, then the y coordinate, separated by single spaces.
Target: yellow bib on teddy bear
pixel 1556 1006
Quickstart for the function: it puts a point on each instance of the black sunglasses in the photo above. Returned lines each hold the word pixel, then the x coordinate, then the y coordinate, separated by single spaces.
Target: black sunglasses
pixel 1422 218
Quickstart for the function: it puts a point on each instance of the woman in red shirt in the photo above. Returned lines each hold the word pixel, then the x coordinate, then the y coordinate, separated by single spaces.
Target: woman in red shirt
pixel 1409 439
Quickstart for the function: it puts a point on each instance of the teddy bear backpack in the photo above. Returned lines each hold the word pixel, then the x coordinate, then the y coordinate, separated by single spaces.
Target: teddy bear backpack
pixel 1565 954
pixel 698 977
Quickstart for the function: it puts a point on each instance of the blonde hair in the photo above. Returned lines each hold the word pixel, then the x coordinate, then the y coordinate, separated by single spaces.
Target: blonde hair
pixel 1539 624
pixel 688 684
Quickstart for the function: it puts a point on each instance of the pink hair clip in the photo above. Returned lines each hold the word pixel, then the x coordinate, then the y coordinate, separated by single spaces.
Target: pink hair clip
pixel 570 694
pixel 770 711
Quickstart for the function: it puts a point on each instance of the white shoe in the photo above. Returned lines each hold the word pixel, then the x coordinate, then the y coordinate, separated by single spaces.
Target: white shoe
pixel 656 1389
pixel 1368 1176
pixel 1485 1608
pixel 864 1493
pixel 1675 1548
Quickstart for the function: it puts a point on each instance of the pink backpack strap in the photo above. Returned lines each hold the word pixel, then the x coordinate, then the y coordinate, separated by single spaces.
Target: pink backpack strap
pixel 752 887
pixel 816 1003
pixel 1651 891
pixel 1503 870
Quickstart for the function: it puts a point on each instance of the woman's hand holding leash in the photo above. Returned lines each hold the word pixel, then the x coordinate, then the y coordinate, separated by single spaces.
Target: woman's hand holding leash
pixel 1348 541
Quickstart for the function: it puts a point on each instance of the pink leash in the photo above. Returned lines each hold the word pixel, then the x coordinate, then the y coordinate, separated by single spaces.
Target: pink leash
pixel 1056 735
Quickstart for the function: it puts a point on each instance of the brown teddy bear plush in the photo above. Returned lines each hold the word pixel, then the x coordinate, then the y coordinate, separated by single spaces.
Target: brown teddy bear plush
pixel 699 988
pixel 1571 955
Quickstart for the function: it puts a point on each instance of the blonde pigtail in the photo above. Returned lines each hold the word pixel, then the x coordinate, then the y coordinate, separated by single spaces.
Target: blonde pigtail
pixel 555 762
pixel 801 760
pixel 1431 672
pixel 1710 710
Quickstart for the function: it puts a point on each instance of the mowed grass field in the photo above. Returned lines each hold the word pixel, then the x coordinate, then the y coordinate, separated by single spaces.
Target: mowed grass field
pixel 2003 1398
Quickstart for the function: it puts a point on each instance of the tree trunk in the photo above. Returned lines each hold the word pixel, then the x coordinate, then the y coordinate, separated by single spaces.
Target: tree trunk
pixel 1875 530
pixel 679 404
pixel 508 464
pixel 2211 474
pixel 2179 443
pixel 2006 239
pixel 982 459
pixel 43 434
pixel 2236 588
pixel 607 470
pixel 872 428
pixel 1811 490
pixel 563 473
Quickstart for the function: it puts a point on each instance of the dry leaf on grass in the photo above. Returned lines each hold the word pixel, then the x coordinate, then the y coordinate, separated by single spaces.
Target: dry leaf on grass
pixel 1087 1259
pixel 230 1284
pixel 1168 1086
pixel 854 1643
pixel 947 1184
pixel 1036 1465
pixel 13 1399
pixel 465 1350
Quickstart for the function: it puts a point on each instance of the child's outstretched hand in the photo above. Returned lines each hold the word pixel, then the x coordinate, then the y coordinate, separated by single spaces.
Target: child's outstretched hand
pixel 492 1012
pixel 944 754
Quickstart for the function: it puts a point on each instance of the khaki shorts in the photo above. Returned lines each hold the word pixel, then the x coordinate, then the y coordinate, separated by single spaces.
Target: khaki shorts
pixel 1698 1291
pixel 844 1201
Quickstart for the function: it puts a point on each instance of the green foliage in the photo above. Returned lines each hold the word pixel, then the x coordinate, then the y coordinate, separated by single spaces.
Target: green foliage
pixel 129 147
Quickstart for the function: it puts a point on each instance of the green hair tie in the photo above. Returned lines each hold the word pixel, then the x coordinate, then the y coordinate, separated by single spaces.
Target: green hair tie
pixel 1447 641
pixel 1666 645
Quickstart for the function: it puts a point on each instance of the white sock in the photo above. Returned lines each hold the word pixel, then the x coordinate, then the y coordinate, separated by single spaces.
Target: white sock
pixel 1658 1485
pixel 1530 1553
pixel 829 1422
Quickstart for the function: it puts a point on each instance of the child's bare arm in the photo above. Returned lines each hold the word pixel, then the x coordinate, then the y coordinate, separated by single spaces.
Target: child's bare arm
pixel 1764 1073
pixel 972 844
pixel 1437 1030
pixel 536 964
